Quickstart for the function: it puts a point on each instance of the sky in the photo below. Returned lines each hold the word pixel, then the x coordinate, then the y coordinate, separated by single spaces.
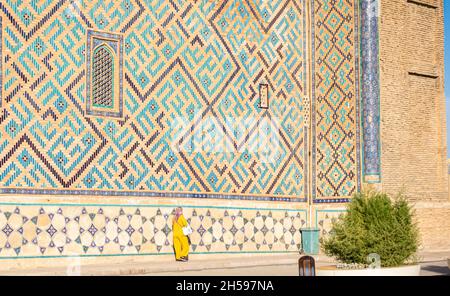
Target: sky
pixel 447 67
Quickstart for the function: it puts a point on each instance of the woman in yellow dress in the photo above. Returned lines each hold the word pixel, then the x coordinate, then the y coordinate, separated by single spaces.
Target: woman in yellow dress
pixel 180 241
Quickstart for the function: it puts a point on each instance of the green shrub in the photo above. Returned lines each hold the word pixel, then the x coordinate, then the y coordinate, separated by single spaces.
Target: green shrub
pixel 374 224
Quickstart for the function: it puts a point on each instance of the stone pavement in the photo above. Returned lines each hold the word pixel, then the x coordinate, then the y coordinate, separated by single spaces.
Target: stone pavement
pixel 273 265
pixel 428 269
pixel 435 268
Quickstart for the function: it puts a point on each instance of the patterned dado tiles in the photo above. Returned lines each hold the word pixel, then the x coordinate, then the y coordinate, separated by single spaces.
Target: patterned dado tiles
pixel 100 230
pixel 325 219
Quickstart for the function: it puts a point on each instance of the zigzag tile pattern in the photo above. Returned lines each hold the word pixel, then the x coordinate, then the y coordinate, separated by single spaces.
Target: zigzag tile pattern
pixel 203 60
pixel 336 100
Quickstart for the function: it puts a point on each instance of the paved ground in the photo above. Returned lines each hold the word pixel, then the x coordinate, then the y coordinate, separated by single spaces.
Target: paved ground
pixel 439 268
pixel 276 265
pixel 435 268
pixel 284 270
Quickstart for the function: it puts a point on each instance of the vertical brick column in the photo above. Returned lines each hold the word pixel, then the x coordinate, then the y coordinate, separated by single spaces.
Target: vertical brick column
pixel 370 90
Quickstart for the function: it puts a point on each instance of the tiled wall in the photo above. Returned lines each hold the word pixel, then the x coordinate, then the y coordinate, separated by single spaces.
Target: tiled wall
pixel 202 61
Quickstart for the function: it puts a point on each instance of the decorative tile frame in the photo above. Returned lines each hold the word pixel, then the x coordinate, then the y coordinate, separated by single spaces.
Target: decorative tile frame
pixel 143 194
pixel 114 42
pixel 370 91
pixel 357 162
pixel 264 96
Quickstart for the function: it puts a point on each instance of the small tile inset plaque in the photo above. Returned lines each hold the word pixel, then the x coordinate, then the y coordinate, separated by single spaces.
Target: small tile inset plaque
pixel 264 96
pixel 306 111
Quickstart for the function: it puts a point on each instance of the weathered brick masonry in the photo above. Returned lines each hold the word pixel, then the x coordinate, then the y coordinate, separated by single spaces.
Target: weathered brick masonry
pixel 413 120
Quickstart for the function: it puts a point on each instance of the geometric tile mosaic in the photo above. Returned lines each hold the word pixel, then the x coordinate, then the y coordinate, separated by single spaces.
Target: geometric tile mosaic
pixel 72 230
pixel 336 155
pixel 325 219
pixel 201 60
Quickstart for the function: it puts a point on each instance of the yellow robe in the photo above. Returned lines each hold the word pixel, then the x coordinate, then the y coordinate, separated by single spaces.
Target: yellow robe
pixel 180 241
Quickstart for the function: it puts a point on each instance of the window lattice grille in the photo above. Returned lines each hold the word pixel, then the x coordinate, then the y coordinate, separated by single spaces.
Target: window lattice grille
pixel 103 78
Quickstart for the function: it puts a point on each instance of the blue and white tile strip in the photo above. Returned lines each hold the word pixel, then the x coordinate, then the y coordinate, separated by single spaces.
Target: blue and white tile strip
pixel 370 90
pixel 148 194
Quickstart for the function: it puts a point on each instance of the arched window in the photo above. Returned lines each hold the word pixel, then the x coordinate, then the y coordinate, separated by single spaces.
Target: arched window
pixel 104 74
pixel 103 77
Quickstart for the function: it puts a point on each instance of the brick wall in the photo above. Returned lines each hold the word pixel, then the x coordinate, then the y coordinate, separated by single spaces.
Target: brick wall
pixel 413 124
pixel 433 221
